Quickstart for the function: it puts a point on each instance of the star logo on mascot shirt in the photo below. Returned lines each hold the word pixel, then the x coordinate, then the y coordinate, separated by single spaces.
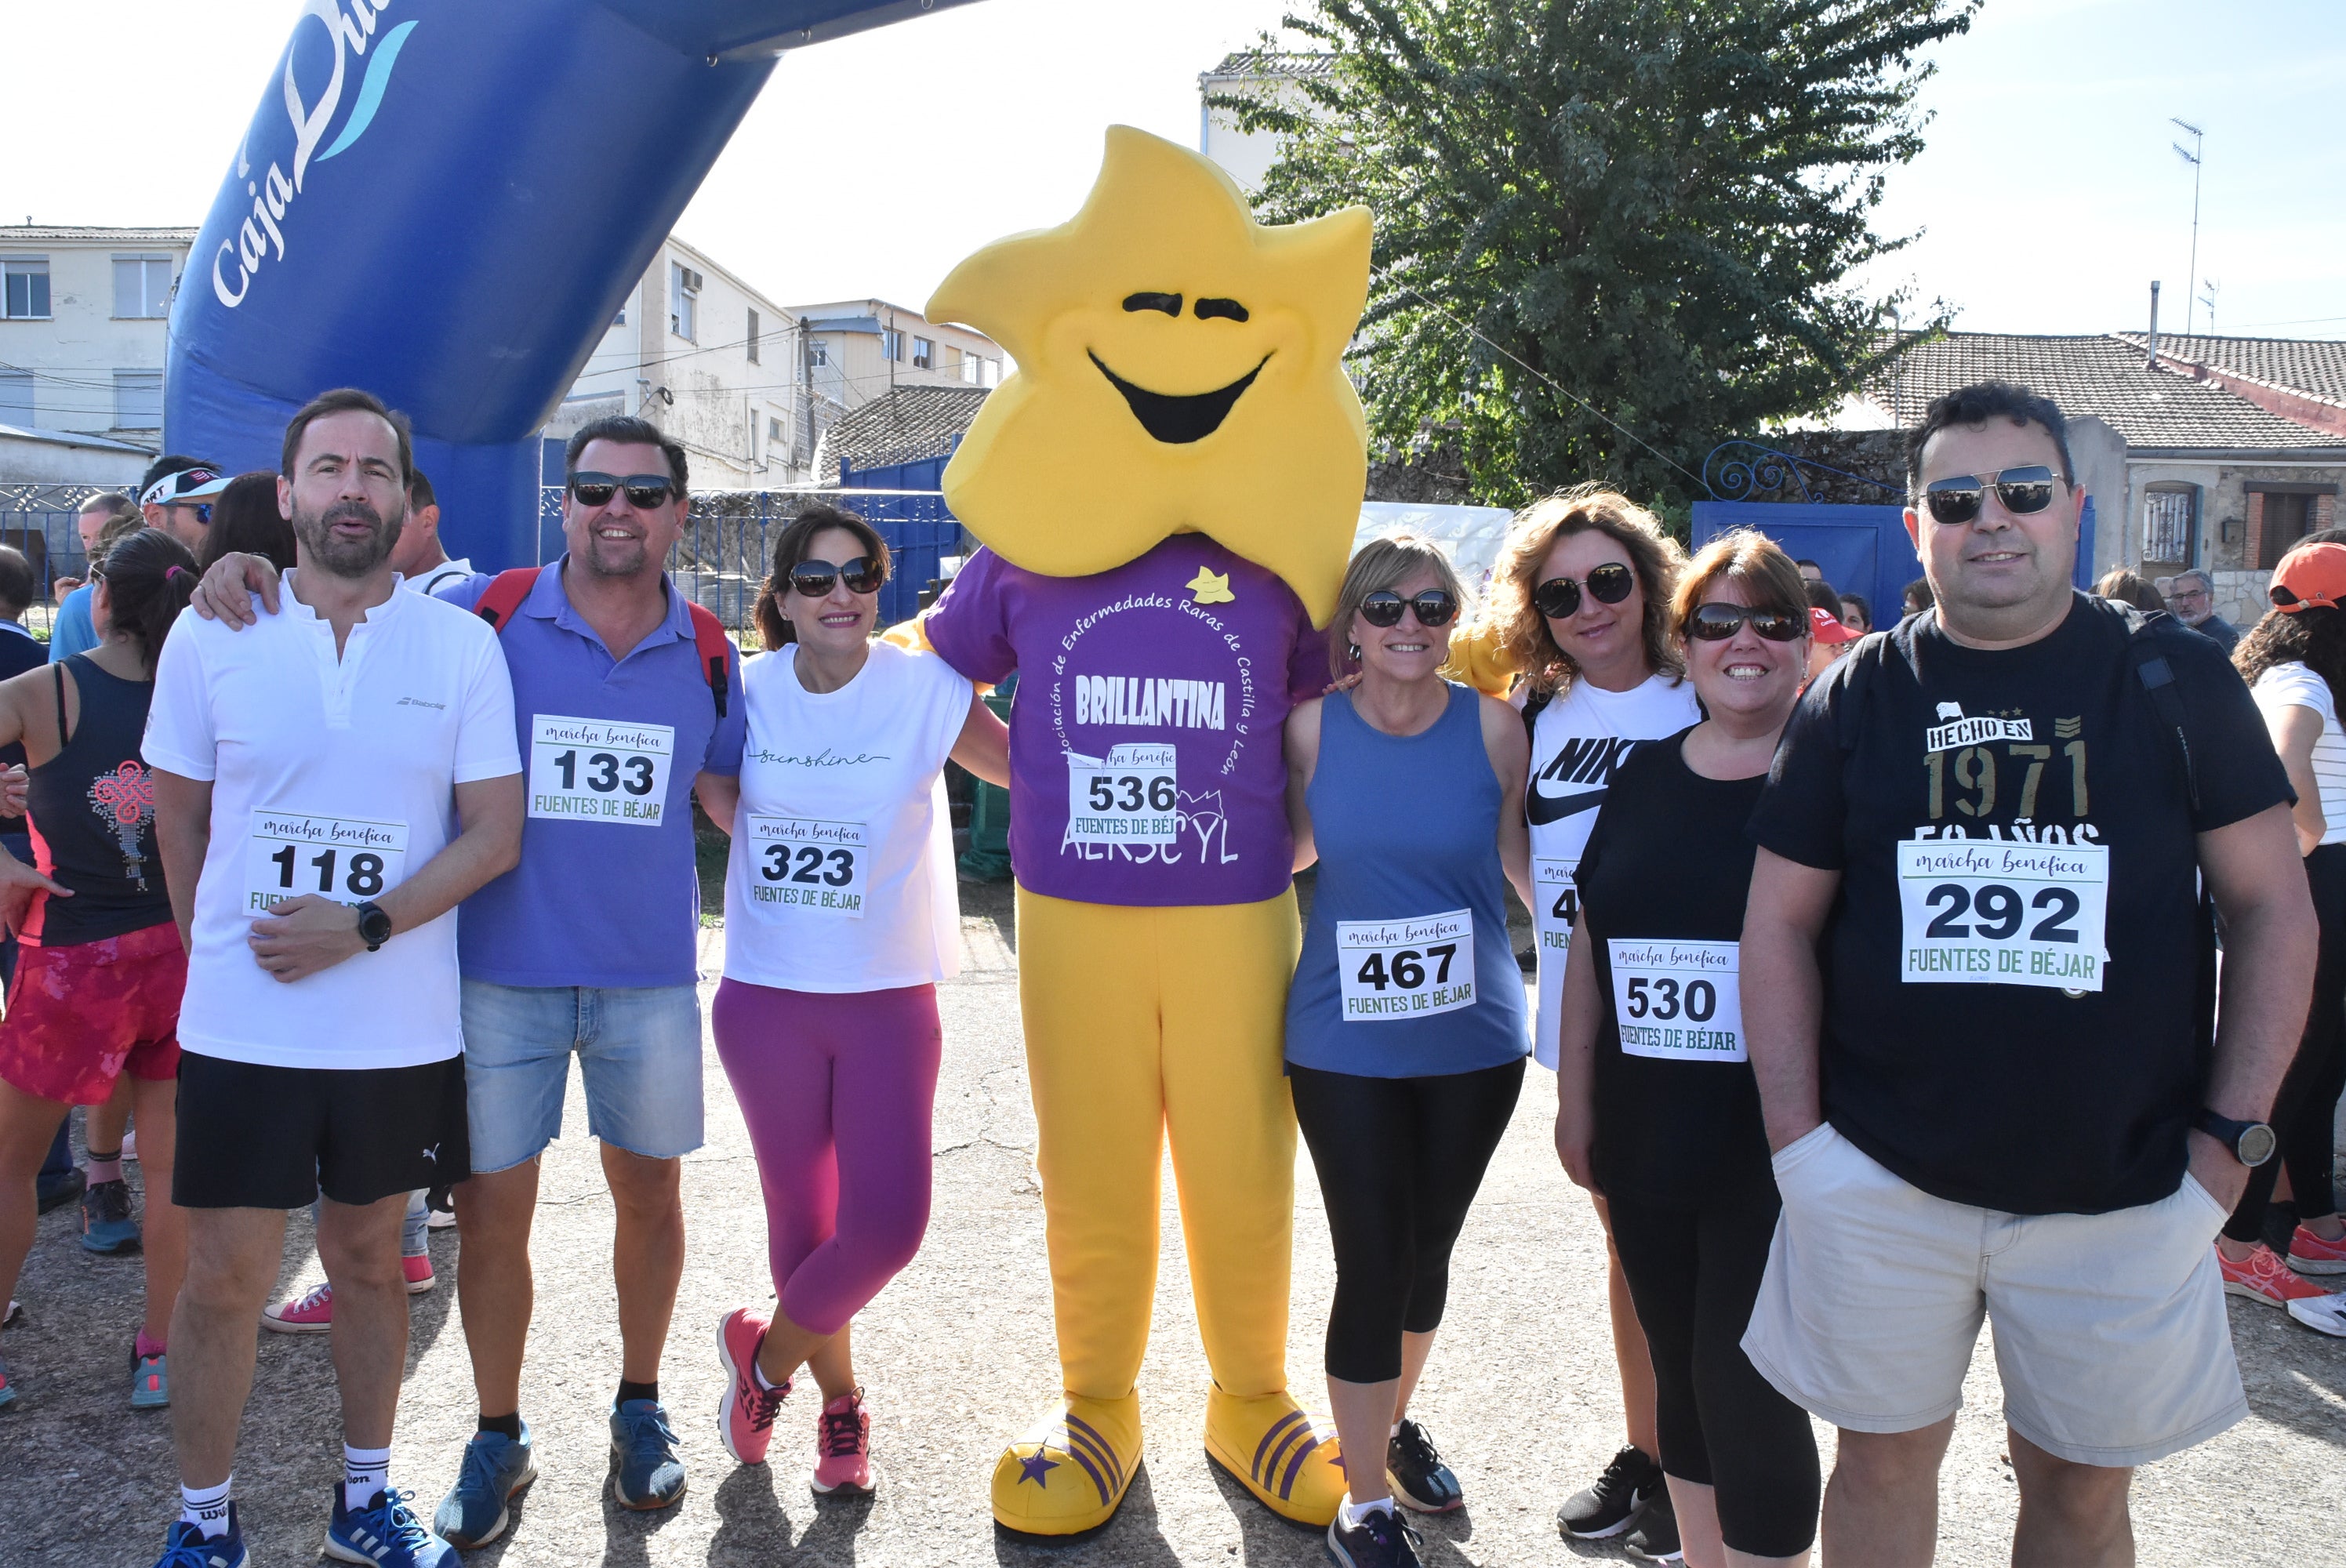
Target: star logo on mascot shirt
pixel 1210 587
pixel 1180 370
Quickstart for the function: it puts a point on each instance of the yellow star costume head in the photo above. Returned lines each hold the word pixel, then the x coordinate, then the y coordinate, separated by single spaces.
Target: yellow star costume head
pixel 1180 370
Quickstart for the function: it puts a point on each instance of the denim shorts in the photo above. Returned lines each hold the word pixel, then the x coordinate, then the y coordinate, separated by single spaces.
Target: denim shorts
pixel 639 1051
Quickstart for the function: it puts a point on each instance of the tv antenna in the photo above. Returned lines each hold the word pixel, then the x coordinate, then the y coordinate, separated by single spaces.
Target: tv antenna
pixel 2191 156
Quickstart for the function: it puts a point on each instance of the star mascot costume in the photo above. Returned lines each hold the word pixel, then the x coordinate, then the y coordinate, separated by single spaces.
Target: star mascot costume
pixel 1167 491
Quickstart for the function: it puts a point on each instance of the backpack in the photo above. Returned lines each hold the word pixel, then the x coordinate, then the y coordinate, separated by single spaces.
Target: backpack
pixel 504 594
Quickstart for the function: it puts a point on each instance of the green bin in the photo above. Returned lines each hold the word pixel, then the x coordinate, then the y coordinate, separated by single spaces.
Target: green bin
pixel 988 859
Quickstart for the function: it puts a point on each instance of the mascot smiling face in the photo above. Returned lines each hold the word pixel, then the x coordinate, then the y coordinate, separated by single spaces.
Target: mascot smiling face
pixel 1180 369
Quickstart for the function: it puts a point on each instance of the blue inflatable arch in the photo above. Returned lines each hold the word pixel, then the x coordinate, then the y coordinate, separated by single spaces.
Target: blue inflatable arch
pixel 446 202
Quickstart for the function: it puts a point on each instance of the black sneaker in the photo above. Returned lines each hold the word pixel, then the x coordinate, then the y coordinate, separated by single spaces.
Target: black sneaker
pixel 1382 1540
pixel 1609 1507
pixel 57 1190
pixel 1415 1472
pixel 440 1203
pixel 1655 1539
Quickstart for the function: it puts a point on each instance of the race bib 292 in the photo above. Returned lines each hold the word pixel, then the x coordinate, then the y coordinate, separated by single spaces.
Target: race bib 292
pixel 1990 911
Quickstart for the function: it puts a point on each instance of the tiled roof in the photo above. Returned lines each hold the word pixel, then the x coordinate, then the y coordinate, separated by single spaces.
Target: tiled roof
pixel 908 424
pixel 2100 375
pixel 1257 63
pixel 16 234
pixel 2313 366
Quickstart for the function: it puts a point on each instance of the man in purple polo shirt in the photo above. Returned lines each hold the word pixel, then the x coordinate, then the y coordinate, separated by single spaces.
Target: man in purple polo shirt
pixel 587 948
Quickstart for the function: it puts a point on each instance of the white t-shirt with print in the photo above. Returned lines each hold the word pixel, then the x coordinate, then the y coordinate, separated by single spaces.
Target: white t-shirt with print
pixel 841 873
pixel 2292 685
pixel 1578 742
pixel 334 775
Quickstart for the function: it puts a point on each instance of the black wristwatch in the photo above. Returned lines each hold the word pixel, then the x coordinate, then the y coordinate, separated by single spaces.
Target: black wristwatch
pixel 374 926
pixel 2251 1143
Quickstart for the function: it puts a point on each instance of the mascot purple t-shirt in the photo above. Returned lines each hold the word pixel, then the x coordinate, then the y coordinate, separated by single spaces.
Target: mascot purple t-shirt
pixel 1146 763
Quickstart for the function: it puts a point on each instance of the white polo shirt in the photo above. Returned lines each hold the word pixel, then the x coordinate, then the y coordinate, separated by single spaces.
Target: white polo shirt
pixel 842 875
pixel 336 775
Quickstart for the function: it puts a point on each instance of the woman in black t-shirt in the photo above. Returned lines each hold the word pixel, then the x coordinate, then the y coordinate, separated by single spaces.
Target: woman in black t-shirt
pixel 1657 1109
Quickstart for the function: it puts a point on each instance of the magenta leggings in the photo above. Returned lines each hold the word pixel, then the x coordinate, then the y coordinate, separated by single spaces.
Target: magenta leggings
pixel 837 1090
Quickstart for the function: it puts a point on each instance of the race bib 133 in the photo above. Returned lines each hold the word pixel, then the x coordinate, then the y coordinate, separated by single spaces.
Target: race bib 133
pixel 598 770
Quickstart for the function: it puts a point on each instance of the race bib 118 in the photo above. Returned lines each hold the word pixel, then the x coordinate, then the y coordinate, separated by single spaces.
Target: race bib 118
pixel 1129 798
pixel 1406 968
pixel 598 770
pixel 1680 1001
pixel 1988 911
pixel 345 859
pixel 798 862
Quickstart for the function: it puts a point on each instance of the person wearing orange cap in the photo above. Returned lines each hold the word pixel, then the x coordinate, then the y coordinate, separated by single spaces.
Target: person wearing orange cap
pixel 2295 662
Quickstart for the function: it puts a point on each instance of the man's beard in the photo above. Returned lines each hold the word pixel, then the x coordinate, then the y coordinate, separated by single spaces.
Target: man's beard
pixel 341 557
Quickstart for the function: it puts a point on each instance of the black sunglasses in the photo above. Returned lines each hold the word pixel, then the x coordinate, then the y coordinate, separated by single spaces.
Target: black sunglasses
pixel 593 489
pixel 1715 622
pixel 1433 607
pixel 1958 498
pixel 814 578
pixel 1558 598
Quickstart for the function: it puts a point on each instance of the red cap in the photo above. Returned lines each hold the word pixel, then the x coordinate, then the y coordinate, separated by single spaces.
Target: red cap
pixel 1826 629
pixel 2312 574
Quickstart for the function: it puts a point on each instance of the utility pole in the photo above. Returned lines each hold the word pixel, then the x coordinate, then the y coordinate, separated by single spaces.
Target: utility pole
pixel 2190 156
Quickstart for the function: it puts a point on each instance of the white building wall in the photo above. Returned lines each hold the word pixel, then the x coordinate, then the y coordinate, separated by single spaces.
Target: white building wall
pixel 72 355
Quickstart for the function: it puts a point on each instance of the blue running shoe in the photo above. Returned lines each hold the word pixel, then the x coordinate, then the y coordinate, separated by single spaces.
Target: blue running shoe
pixel 645 1470
pixel 188 1547
pixel 150 1381
pixel 105 1223
pixel 7 1389
pixel 475 1512
pixel 385 1534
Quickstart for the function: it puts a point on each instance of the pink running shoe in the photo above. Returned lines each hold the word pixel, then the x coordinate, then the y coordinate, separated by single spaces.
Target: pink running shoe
pixel 2309 1254
pixel 745 1417
pixel 842 1443
pixel 313 1312
pixel 2263 1277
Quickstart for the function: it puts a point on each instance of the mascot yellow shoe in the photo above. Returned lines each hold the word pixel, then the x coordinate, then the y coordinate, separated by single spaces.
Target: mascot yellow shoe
pixel 1167 491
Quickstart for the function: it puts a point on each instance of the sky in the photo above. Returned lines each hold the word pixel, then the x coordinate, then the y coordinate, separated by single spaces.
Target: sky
pixel 2046 199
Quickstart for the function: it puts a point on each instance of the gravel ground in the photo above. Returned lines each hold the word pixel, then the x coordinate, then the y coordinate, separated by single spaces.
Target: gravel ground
pixel 957 1353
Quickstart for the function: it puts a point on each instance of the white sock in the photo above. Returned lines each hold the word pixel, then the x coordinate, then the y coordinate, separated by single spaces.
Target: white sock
pixel 1396 1431
pixel 365 1471
pixel 1358 1512
pixel 205 1508
pixel 764 1382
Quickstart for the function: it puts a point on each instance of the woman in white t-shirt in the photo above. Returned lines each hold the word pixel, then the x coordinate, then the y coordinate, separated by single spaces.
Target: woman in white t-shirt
pixel 1579 609
pixel 841 916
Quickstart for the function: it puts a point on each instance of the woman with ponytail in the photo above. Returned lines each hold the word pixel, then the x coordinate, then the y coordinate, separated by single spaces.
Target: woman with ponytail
pixel 96 992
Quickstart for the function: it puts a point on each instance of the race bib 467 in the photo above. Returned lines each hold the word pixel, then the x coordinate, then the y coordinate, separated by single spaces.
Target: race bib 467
pixel 1988 911
pixel 1406 968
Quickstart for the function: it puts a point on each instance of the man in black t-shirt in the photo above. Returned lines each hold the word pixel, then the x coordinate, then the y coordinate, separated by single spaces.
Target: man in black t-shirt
pixel 1976 984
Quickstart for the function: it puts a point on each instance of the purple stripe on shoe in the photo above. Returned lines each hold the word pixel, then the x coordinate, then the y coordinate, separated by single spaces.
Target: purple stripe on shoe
pixel 1295 1468
pixel 1073 1452
pixel 1078 1427
pixel 1262 1448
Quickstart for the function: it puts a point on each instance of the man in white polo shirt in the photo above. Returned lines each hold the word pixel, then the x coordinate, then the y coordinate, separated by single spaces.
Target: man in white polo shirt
pixel 328 788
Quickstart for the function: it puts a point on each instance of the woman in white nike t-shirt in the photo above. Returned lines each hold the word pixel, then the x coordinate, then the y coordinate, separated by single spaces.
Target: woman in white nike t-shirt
pixel 1579 606
pixel 841 916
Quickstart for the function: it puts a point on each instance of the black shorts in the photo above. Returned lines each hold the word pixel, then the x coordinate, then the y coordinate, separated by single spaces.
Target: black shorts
pixel 271 1137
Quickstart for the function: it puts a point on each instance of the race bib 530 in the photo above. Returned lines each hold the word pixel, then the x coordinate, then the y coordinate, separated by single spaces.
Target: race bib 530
pixel 1987 911
pixel 345 859
pixel 1406 968
pixel 798 862
pixel 599 770
pixel 1680 1001
pixel 1128 799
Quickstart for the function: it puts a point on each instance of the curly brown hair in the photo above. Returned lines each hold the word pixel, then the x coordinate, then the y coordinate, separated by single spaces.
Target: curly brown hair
pixel 1523 634
pixel 2314 636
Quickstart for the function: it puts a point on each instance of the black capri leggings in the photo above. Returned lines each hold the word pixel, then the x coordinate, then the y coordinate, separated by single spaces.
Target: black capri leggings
pixel 1694 1274
pixel 1399 1160
pixel 2304 1111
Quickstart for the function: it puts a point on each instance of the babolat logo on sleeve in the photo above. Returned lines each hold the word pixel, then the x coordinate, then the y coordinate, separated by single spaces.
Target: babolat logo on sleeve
pixel 1954 729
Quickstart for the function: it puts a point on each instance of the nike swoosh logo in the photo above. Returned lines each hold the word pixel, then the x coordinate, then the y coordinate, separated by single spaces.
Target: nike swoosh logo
pixel 1543 809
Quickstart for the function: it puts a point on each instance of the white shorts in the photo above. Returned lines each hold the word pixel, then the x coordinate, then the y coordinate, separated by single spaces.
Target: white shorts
pixel 2111 1336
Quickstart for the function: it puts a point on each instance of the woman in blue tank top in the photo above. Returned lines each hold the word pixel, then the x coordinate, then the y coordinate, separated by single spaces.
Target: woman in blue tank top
pixel 1405 1026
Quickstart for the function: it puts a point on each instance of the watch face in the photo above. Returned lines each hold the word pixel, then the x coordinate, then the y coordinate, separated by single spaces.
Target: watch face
pixel 2257 1143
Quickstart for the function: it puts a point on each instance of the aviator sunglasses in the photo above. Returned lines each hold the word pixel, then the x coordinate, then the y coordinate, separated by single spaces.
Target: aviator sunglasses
pixel 1558 598
pixel 1958 498
pixel 814 579
pixel 1435 607
pixel 593 489
pixel 1717 622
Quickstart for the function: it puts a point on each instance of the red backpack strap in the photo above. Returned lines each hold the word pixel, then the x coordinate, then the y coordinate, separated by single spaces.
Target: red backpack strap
pixel 503 596
pixel 715 648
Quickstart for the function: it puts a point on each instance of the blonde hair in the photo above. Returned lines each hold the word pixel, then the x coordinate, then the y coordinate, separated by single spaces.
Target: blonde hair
pixel 1770 578
pixel 1522 631
pixel 1379 565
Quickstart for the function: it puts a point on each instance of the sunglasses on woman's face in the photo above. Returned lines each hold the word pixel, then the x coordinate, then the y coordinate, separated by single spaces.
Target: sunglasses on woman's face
pixel 1558 598
pixel 1958 498
pixel 1433 607
pixel 646 490
pixel 814 579
pixel 1714 623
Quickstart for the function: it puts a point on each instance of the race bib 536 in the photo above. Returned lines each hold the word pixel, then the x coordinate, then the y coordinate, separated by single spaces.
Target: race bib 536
pixel 1681 1001
pixel 798 862
pixel 1987 911
pixel 1128 799
pixel 599 770
pixel 1406 968
pixel 345 859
